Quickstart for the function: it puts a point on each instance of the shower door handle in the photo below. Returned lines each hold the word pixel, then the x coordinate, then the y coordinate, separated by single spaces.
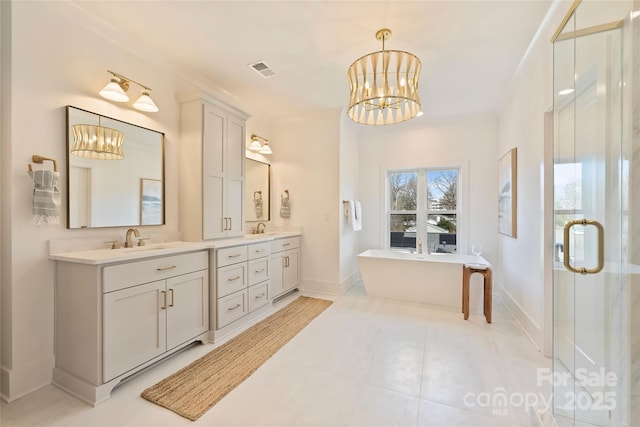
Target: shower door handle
pixel 567 246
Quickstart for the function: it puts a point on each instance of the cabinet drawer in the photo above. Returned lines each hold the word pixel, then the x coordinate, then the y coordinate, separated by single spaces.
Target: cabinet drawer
pixel 135 273
pixel 232 307
pixel 284 244
pixel 230 279
pixel 258 271
pixel 259 250
pixel 258 296
pixel 228 256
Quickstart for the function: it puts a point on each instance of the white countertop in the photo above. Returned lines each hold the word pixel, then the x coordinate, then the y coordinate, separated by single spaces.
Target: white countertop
pixel 110 256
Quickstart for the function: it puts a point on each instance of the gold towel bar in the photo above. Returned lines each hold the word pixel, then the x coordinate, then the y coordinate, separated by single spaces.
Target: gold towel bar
pixel 40 160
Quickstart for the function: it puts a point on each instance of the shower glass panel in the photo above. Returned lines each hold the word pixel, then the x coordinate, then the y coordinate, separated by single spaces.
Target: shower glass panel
pixel 587 225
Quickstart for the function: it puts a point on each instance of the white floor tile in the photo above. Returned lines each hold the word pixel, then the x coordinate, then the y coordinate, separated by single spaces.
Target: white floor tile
pixel 363 362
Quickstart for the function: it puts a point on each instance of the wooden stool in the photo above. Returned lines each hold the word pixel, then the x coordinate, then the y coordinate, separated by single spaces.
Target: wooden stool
pixel 467 271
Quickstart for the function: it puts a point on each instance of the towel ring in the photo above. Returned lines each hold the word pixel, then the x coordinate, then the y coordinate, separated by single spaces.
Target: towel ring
pixel 40 160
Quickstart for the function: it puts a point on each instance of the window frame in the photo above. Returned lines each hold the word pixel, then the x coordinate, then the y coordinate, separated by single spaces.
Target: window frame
pixel 422 211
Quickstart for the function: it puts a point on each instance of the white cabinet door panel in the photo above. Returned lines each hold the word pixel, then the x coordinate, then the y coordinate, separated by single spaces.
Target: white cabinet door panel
pixel 187 307
pixel 134 327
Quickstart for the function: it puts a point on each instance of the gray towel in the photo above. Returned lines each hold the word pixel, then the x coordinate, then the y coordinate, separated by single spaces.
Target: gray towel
pixel 258 204
pixel 285 211
pixel 46 197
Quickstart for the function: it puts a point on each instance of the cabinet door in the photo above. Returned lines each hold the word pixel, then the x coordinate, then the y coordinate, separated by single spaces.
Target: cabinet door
pixel 291 272
pixel 214 220
pixel 134 327
pixel 187 307
pixel 213 186
pixel 276 267
pixel 234 163
pixel 235 206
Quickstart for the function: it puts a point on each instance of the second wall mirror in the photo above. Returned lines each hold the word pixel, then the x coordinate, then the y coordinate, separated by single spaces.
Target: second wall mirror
pixel 257 194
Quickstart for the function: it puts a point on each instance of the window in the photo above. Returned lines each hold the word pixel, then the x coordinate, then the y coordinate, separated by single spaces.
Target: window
pixel 423 204
pixel 568 196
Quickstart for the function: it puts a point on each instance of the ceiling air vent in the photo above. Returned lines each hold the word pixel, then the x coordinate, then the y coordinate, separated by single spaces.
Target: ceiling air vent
pixel 263 69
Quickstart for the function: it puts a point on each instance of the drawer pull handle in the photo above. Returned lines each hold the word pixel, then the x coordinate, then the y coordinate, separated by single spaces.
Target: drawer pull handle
pixel 259 251
pixel 233 279
pixel 171 292
pixel 260 296
pixel 286 244
pixel 170 267
pixel 233 256
pixel 259 271
pixel 234 307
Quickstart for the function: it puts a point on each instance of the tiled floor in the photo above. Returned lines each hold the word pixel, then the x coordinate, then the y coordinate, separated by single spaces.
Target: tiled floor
pixel 363 362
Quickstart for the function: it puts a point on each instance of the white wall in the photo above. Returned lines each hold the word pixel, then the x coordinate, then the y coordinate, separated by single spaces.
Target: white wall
pixel 469 143
pixel 306 162
pixel 521 277
pixel 65 67
pixel 349 165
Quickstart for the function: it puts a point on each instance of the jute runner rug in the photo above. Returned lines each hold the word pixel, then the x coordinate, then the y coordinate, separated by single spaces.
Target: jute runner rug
pixel 193 390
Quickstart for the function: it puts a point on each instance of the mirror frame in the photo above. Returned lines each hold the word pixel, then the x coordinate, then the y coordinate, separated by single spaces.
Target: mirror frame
pixel 138 190
pixel 268 198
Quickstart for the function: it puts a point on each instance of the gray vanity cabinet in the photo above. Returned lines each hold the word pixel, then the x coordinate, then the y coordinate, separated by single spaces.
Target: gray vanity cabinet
pixel 114 320
pixel 285 266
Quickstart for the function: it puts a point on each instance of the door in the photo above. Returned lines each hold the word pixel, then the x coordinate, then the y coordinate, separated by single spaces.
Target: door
pixel 291 269
pixel 234 175
pixel 276 267
pixel 587 225
pixel 187 307
pixel 134 327
pixel 214 223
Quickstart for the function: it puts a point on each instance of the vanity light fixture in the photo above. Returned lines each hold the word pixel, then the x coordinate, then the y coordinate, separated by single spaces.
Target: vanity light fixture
pixel 262 148
pixel 97 142
pixel 384 86
pixel 265 149
pixel 116 90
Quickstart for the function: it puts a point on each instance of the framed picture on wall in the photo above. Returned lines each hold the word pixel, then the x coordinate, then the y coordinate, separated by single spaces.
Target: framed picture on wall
pixel 508 194
pixel 150 201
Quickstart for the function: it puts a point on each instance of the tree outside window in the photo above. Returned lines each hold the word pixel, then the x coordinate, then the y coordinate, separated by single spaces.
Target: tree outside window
pixel 423 205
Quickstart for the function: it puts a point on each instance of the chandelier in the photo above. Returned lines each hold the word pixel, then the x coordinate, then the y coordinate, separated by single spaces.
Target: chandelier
pixel 384 86
pixel 97 142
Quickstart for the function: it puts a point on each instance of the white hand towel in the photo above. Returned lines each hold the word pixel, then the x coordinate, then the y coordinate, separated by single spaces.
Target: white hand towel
pixel 349 210
pixel 357 216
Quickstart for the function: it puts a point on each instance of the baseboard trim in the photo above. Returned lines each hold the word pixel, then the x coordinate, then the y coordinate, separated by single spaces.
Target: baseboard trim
pixel 17 383
pixel 530 328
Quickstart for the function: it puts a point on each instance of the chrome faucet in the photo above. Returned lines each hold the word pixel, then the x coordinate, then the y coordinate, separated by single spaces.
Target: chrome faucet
pixel 258 231
pixel 127 242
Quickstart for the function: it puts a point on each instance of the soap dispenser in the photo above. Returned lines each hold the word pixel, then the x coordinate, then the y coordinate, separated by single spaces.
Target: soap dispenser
pixel 419 245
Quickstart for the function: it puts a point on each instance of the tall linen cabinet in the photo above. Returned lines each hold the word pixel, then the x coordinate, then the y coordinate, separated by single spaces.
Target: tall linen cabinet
pixel 212 150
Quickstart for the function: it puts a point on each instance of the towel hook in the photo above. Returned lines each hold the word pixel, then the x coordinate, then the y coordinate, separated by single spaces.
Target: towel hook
pixel 40 160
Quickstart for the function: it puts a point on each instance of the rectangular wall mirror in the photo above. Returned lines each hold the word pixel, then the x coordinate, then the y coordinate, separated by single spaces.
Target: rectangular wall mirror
pixel 114 193
pixel 257 195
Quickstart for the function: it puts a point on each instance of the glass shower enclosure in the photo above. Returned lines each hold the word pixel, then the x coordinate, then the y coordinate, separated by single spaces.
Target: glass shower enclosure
pixel 594 275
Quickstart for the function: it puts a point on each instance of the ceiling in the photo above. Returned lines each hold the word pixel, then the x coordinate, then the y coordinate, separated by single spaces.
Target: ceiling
pixel 469 49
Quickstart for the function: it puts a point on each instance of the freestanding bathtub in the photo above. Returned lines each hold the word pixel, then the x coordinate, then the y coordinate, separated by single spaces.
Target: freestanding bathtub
pixel 425 278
